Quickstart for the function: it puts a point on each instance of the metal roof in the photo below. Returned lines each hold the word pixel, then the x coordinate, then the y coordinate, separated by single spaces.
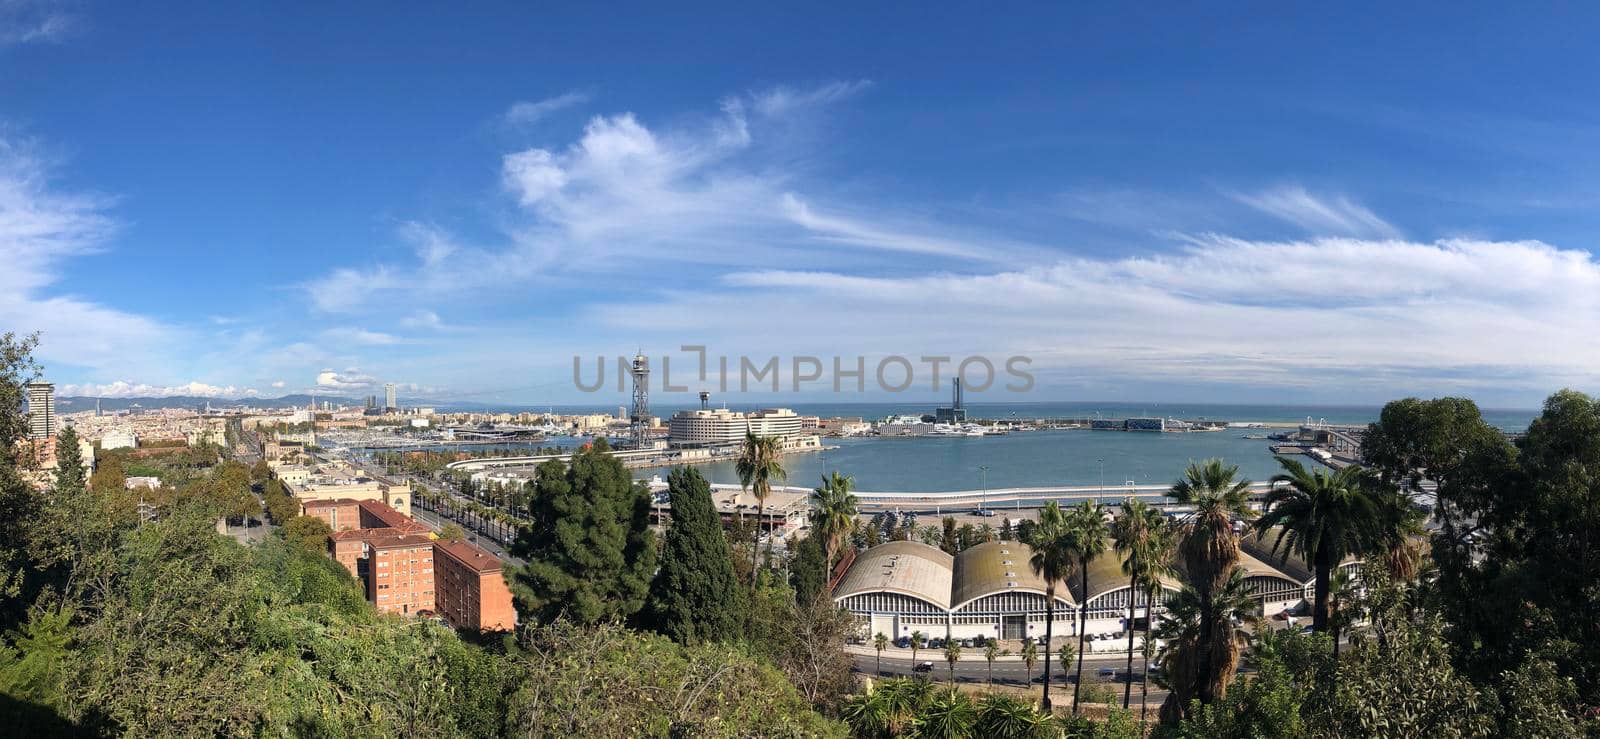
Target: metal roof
pixel 906 567
pixel 997 567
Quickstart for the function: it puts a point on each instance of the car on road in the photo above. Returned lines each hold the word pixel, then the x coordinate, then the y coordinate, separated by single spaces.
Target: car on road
pixel 1107 672
pixel 923 666
pixel 985 512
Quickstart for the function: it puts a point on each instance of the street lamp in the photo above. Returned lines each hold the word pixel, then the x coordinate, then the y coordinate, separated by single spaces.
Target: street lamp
pixel 1102 493
pixel 983 473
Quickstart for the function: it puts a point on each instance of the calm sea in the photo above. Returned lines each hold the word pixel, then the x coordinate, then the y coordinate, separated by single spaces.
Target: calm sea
pixel 1040 458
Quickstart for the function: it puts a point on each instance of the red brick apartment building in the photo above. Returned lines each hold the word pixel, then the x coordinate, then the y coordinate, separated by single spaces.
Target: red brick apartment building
pixel 400 573
pixel 404 570
pixel 470 588
pixel 341 514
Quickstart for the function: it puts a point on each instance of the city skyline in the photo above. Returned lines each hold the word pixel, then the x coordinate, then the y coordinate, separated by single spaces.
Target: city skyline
pixel 1246 208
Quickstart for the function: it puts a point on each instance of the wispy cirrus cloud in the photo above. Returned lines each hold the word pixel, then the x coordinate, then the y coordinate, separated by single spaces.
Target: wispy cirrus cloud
pixel 706 193
pixel 41 227
pixel 1352 314
pixel 527 113
pixel 1337 215
pixel 361 336
pixel 34 21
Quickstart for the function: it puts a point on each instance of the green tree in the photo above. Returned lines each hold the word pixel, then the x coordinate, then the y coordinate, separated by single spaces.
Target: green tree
pixel 1208 551
pixel 833 512
pixel 1030 656
pixel 808 571
pixel 589 549
pixel 308 532
pixel 1086 541
pixel 760 462
pixel 694 596
pixel 1201 644
pixel 1323 517
pixel 1065 653
pixel 1136 532
pixel 991 651
pixel 880 642
pixel 917 642
pixel 70 478
pixel 952 655
pixel 452 532
pixel 1053 541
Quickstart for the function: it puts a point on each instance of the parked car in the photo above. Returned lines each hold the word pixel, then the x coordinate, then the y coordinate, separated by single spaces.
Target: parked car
pixel 903 642
pixel 923 666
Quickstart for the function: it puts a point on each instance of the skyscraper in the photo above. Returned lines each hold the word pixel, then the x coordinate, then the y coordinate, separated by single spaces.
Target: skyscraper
pixel 41 410
pixel 388 396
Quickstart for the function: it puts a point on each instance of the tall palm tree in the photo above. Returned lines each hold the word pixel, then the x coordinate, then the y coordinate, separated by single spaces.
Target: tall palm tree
pixel 833 511
pixel 1161 548
pixel 1133 531
pixel 1065 654
pixel 952 654
pixel 758 465
pixel 1198 629
pixel 1086 522
pixel 1209 553
pixel 1052 561
pixel 1323 517
pixel 917 640
pixel 880 642
pixel 1147 649
pixel 1345 609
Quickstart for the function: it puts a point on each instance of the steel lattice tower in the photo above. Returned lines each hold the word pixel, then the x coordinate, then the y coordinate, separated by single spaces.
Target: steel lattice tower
pixel 640 416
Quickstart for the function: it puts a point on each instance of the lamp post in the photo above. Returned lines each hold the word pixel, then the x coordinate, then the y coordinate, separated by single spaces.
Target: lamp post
pixel 983 474
pixel 1102 493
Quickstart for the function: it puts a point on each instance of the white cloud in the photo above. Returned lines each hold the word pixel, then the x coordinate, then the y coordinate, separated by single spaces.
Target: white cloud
pixel 278 384
pixel 424 319
pixel 1336 312
pixel 125 389
pixel 710 192
pixel 41 227
pixel 33 21
pixel 350 379
pixel 524 113
pixel 1321 216
pixel 781 100
pixel 361 336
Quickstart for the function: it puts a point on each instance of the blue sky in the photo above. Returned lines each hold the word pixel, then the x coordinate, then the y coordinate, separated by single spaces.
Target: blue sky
pixel 1157 203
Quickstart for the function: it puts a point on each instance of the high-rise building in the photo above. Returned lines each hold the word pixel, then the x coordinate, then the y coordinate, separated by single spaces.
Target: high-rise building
pixel 388 396
pixel 41 410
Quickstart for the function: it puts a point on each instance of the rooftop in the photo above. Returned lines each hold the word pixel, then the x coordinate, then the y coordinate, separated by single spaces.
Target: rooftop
pixel 470 555
pixel 905 567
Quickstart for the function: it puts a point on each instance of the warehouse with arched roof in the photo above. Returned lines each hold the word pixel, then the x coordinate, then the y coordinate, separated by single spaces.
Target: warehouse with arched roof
pixel 990 590
pixel 1108 593
pixel 901 587
pixel 997 595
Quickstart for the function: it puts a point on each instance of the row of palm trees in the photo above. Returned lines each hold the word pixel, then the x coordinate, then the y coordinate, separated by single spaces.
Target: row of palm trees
pixel 1321 516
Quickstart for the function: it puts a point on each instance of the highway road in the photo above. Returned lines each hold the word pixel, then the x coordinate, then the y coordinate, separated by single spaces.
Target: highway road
pixel 974 669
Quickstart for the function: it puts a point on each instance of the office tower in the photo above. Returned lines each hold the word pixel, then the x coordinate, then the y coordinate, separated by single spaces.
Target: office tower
pixel 41 410
pixel 388 396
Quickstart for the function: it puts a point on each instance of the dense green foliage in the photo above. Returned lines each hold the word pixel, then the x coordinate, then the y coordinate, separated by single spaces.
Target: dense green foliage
pixel 694 597
pixel 918 708
pixel 589 548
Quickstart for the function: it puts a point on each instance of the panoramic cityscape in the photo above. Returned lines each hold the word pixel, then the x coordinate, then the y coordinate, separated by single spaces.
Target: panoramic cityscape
pixel 852 371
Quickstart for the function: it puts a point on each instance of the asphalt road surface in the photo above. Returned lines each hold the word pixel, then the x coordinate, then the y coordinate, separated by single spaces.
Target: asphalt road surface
pixel 973 668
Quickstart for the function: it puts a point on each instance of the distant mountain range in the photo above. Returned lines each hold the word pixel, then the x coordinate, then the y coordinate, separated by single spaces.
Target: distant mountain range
pixel 75 403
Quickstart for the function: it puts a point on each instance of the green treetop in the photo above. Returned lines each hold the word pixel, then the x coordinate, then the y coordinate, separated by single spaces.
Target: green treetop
pixel 695 597
pixel 589 549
